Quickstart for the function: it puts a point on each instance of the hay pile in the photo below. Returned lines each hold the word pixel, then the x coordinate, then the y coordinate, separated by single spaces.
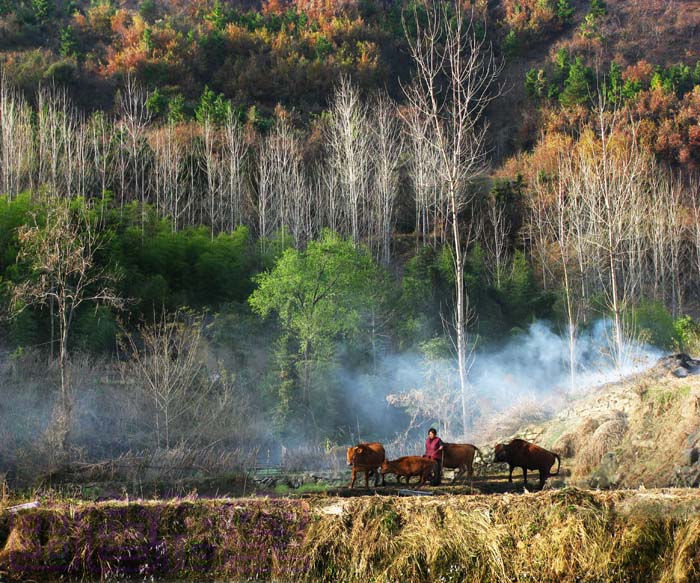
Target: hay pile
pixel 607 436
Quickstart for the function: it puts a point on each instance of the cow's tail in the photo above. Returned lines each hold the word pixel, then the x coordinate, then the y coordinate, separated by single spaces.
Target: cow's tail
pixel 556 455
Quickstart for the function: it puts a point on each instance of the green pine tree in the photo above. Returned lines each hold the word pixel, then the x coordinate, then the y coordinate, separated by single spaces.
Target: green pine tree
pixel 43 10
pixel 69 42
pixel 564 10
pixel 576 87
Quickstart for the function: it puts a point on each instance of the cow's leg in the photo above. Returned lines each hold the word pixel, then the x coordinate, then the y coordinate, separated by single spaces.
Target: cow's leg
pixel 544 474
pixel 367 478
pixel 510 474
pixel 470 470
pixel 525 476
pixel 354 475
pixel 458 474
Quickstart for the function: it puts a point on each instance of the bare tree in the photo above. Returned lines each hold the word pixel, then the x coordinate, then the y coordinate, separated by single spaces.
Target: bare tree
pixel 215 169
pixel 16 138
pixel 134 119
pixel 166 364
pixel 694 193
pixel 422 171
pixel 283 201
pixel 348 142
pixel 100 130
pixel 563 219
pixel 455 80
pixel 612 183
pixel 387 149
pixel 235 154
pixel 60 255
pixel 496 241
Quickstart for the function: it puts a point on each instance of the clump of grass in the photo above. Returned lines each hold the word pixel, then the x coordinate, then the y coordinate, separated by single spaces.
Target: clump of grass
pixel 309 488
pixel 684 563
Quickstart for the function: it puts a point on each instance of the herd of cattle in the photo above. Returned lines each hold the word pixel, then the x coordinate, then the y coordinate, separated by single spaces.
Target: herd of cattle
pixel 370 458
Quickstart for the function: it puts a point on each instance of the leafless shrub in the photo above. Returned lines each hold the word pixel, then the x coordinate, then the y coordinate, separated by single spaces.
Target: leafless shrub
pixel 174 463
pixel 523 413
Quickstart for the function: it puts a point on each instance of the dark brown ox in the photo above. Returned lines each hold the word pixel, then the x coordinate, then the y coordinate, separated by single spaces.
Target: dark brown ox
pixel 460 457
pixel 409 466
pixel 366 457
pixel 528 456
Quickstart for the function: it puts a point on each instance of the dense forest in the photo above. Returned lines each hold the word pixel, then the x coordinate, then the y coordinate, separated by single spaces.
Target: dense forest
pixel 228 222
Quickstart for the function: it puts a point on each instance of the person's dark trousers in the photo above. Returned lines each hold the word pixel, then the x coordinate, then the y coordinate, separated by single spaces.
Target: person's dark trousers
pixel 438 472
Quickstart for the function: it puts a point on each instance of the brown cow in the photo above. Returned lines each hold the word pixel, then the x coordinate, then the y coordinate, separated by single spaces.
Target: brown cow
pixel 366 457
pixel 460 457
pixel 409 466
pixel 528 456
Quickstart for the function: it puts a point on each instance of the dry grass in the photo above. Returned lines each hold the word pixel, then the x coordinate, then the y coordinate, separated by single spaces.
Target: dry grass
pixel 565 536
pixel 685 565
pixel 562 536
pixel 158 465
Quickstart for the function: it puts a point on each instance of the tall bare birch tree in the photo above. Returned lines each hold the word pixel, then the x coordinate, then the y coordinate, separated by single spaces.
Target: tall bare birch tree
pixel 612 182
pixel 456 75
pixel 496 241
pixel 422 169
pixel 235 154
pixel 387 149
pixel 16 139
pixel 348 142
pixel 563 219
pixel 134 119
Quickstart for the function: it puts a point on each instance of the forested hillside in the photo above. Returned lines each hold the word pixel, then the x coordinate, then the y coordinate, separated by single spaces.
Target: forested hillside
pixel 306 222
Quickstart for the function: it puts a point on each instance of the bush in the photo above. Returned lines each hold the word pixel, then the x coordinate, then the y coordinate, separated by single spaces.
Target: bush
pixel 653 323
pixel 687 335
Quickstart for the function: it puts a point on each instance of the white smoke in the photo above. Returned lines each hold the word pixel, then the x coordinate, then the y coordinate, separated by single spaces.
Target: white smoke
pixel 537 363
pixel 532 367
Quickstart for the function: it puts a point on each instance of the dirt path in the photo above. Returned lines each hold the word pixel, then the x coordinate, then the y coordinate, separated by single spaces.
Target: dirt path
pixel 491 483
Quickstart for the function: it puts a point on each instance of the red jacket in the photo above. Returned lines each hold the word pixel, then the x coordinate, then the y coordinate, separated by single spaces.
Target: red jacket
pixel 433 448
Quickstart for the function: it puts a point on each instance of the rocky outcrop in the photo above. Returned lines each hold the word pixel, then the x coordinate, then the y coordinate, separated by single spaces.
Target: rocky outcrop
pixel 680 365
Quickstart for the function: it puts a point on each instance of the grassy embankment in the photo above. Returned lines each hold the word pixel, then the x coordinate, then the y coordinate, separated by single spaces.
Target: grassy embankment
pixel 643 431
pixel 553 536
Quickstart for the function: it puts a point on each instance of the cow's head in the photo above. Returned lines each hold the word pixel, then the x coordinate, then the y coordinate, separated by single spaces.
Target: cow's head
pixel 352 452
pixel 385 467
pixel 500 454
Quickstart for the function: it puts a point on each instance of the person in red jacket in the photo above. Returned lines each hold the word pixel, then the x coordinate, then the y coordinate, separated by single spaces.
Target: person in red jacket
pixel 434 451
